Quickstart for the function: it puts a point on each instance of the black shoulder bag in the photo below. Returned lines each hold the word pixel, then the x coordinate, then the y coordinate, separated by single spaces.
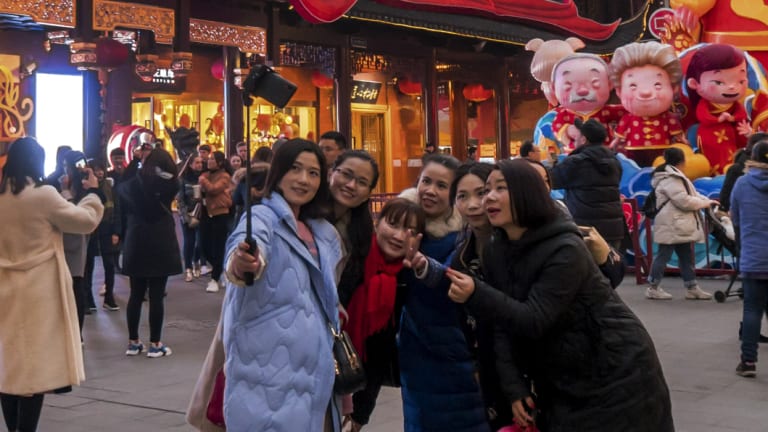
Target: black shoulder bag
pixel 350 375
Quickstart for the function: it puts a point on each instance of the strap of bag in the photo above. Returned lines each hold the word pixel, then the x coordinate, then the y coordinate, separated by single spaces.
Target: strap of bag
pixel 687 190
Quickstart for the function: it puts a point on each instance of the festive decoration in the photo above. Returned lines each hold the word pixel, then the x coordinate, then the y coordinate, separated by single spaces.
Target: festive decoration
pixel 110 53
pixel 146 66
pixel 476 93
pixel 59 13
pixel 321 80
pixel 12 117
pixel 83 55
pixel 217 69
pixel 408 87
pixel 181 63
pixel 108 15
pixel 247 39
pixel 546 55
pixel 299 54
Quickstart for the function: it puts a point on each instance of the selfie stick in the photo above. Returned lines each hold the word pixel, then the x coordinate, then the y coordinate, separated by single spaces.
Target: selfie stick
pixel 247 102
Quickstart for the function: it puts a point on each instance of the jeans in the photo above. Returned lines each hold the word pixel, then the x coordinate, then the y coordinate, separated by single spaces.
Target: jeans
pixel 22 413
pixel 139 287
pixel 755 297
pixel 191 245
pixel 684 260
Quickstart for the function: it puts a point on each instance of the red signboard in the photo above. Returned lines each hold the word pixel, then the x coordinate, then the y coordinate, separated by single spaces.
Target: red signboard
pixel 563 14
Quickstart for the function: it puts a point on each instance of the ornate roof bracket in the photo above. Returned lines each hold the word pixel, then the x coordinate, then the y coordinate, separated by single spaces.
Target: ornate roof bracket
pixel 61 13
pixel 107 15
pixel 246 39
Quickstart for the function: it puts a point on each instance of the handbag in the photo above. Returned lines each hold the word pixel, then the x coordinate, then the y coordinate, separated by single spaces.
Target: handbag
pixel 350 375
pixel 215 411
pixel 193 216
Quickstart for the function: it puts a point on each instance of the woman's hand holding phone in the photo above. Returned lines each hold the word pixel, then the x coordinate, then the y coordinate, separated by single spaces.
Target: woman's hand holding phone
pixel 89 179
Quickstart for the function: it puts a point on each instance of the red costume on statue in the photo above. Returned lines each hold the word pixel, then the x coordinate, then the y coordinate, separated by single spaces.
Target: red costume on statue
pixel 640 131
pixel 718 141
pixel 605 115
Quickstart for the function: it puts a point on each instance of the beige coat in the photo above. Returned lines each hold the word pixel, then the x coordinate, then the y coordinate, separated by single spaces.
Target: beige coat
pixel 39 334
pixel 198 404
pixel 679 221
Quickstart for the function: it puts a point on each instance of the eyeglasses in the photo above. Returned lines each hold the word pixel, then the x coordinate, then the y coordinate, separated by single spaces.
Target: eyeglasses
pixel 347 176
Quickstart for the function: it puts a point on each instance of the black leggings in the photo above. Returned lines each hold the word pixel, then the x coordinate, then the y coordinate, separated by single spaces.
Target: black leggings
pixel 139 287
pixel 77 288
pixel 213 233
pixel 21 413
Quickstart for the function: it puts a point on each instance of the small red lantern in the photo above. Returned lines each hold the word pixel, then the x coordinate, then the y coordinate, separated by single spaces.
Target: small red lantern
pixel 321 80
pixel 476 93
pixel 110 53
pixel 408 87
pixel 217 69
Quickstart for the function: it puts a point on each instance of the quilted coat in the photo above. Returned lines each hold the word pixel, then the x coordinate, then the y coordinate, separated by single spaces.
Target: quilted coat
pixel 559 323
pixel 39 335
pixel 278 347
pixel 679 220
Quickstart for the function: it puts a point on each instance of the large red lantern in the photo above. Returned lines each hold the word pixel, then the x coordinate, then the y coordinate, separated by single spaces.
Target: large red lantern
pixel 110 53
pixel 217 69
pixel 476 93
pixel 321 80
pixel 408 87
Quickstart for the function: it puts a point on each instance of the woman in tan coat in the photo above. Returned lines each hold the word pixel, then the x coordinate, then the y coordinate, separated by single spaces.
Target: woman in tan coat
pixel 39 335
pixel 677 225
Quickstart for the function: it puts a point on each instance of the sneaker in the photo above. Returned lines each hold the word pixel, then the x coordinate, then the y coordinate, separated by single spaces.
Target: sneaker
pixel 188 275
pixel 134 349
pixel 92 308
pixel 695 293
pixel 103 290
pixel 204 270
pixel 657 293
pixel 156 351
pixel 746 369
pixel 212 287
pixel 196 270
pixel 111 305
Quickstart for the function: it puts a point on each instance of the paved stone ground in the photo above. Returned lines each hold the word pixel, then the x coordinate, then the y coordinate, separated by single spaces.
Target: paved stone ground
pixel 696 341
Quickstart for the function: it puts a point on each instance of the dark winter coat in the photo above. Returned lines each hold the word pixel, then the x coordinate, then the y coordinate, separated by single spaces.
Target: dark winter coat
pixel 731 175
pixel 150 247
pixel 590 176
pixel 111 223
pixel 559 323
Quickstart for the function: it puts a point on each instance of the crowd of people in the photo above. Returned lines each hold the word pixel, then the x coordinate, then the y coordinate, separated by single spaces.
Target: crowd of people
pixel 485 300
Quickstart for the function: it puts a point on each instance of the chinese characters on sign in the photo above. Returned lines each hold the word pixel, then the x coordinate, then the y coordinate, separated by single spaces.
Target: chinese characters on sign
pixel 366 92
pixel 163 76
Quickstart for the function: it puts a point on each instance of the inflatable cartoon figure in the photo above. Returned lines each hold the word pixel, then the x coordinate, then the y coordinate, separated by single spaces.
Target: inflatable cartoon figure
pixel 580 83
pixel 546 55
pixel 716 81
pixel 646 77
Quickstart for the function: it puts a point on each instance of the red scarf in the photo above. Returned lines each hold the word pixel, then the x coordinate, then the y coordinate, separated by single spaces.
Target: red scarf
pixel 373 302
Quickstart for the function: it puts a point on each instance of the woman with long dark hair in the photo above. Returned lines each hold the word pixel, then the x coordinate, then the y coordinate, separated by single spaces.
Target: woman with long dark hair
pixel 190 195
pixel 558 322
pixel 214 221
pixel 150 251
pixel 281 321
pixel 39 335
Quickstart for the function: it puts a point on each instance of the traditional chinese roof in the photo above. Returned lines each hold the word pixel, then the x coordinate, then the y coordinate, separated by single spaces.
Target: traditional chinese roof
pixel 505 31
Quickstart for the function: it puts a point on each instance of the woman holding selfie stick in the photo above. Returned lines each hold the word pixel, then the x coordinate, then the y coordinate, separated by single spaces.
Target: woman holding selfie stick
pixel 288 308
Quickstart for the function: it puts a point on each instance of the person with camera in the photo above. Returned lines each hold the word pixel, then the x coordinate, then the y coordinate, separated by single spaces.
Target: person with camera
pixel 214 222
pixel 39 336
pixel 150 249
pixel 189 202
pixel 104 241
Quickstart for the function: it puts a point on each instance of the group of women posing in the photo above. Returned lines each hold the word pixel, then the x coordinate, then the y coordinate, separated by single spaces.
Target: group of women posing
pixel 501 313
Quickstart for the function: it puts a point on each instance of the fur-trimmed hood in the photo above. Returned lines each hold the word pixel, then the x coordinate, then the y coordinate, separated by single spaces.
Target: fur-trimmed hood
pixel 436 227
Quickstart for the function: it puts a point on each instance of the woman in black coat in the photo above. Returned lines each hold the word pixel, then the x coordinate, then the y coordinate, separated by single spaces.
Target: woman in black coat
pixel 151 251
pixel 558 323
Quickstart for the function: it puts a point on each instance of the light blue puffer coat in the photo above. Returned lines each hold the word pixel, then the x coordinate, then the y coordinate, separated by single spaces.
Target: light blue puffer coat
pixel 279 362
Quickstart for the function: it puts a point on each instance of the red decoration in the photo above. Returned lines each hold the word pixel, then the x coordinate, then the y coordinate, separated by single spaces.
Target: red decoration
pixel 562 14
pixel 321 80
pixel 476 93
pixel 110 53
pixel 408 87
pixel 217 69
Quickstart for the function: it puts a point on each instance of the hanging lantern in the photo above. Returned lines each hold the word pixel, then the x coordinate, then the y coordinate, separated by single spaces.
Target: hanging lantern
pixel 146 66
pixel 408 87
pixel 181 63
pixel 321 80
pixel 83 55
pixel 110 53
pixel 476 93
pixel 217 69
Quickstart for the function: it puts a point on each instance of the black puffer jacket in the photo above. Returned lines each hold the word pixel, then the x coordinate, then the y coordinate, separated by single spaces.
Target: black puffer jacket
pixel 559 323
pixel 590 176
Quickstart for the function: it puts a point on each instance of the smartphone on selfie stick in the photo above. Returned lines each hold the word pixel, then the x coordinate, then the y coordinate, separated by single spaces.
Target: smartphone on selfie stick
pixel 264 82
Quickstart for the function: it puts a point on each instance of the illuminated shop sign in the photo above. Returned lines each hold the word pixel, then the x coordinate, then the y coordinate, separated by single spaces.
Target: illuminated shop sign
pixel 163 76
pixel 366 92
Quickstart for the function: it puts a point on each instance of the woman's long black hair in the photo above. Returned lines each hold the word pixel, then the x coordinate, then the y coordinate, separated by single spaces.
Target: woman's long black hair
pixel 25 161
